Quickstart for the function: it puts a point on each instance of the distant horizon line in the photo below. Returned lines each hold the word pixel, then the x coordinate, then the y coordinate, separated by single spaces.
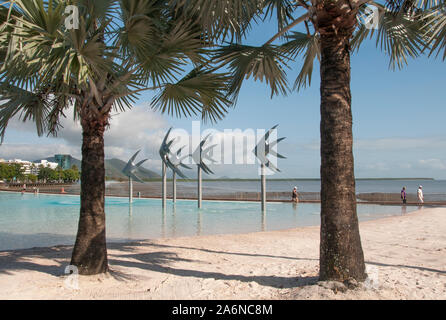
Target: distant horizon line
pixel 277 179
pixel 274 179
pixel 314 179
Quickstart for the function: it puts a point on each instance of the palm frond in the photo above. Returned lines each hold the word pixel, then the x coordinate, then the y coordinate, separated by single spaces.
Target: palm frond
pixel 435 28
pixel 103 10
pixel 41 107
pixel 163 59
pixel 199 92
pixel 266 62
pixel 400 36
pixel 307 45
pixel 121 48
pixel 220 18
pixel 283 9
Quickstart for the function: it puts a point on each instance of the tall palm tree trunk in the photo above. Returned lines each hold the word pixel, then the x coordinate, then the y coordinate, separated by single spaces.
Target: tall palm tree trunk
pixel 90 250
pixel 341 255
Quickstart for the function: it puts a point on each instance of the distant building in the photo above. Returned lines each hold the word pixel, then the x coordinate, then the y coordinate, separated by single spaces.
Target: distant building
pixel 63 160
pixel 31 167
pixel 47 164
pixel 26 165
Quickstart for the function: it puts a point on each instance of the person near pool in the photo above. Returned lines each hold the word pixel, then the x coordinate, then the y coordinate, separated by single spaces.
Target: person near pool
pixel 294 196
pixel 420 194
pixel 403 195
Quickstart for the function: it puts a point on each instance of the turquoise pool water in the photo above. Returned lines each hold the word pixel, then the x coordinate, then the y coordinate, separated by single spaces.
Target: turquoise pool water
pixel 44 220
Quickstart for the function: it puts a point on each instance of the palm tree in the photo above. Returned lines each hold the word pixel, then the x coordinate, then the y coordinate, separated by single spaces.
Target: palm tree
pixel 434 18
pixel 328 30
pixel 124 47
pixel 120 48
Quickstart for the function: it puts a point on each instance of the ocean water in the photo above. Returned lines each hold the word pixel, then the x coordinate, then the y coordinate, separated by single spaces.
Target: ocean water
pixel 45 220
pixel 434 190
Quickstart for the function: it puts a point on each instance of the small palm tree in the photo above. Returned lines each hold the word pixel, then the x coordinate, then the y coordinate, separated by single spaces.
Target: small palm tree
pixel 121 48
pixel 328 30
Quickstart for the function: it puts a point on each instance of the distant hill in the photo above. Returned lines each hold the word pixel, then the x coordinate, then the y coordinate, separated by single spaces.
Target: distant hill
pixel 113 169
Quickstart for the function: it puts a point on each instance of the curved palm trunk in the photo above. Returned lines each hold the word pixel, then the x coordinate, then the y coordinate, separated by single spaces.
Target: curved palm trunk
pixel 341 255
pixel 90 250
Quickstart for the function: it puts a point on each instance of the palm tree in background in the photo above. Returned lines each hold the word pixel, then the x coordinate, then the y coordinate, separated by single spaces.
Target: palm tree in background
pixel 328 30
pixel 120 48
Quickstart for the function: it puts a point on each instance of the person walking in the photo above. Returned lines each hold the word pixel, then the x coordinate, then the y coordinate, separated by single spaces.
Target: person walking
pixel 294 196
pixel 403 195
pixel 420 194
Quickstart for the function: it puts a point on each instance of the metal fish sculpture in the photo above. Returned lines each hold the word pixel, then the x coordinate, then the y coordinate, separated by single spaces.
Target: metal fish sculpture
pixel 131 168
pixel 264 148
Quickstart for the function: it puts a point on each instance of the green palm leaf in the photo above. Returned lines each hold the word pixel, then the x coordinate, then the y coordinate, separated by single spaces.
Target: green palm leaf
pixel 40 106
pixel 200 91
pixel 283 9
pixel 121 48
pixel 435 28
pixel 262 63
pixel 220 18
pixel 399 35
pixel 307 45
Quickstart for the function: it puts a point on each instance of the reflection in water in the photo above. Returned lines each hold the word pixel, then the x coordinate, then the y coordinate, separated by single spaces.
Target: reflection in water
pixel 295 211
pixel 403 209
pixel 130 221
pixel 174 214
pixel 199 222
pixel 163 222
pixel 56 216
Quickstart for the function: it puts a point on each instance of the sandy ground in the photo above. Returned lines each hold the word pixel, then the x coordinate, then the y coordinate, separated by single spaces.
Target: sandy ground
pixel 405 255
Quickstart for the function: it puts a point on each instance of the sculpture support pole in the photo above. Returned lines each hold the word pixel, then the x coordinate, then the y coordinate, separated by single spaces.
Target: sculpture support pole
pixel 130 170
pixel 200 196
pixel 130 190
pixel 164 193
pixel 263 186
pixel 174 187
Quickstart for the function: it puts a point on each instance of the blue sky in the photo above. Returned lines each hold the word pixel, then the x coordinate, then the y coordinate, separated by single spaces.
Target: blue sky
pixel 398 121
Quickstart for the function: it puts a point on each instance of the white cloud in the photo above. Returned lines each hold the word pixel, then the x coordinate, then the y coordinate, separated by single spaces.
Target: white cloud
pixel 433 164
pixel 406 165
pixel 138 128
pixel 142 128
pixel 393 144
pixel 33 152
pixel 379 166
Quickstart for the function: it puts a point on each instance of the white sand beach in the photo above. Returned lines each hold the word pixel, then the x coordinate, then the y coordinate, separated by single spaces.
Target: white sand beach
pixel 405 255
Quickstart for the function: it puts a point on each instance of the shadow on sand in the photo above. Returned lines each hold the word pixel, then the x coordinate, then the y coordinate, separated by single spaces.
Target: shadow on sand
pixel 55 259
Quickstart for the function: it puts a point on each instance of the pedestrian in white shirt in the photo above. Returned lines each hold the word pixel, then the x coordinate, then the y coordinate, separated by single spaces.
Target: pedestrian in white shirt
pixel 420 194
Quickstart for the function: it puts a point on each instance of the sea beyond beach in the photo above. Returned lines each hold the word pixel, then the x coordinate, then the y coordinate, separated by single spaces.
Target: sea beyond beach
pixel 280 189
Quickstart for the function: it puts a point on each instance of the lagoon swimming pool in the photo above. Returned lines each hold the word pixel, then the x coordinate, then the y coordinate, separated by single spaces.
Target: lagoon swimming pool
pixel 30 220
